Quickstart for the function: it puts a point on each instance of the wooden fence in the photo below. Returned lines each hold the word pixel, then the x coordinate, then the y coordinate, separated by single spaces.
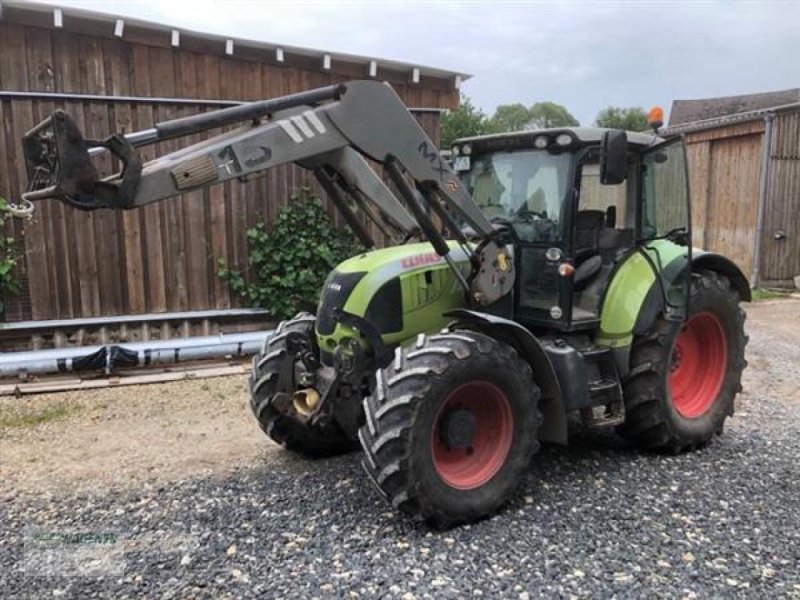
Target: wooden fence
pixel 162 257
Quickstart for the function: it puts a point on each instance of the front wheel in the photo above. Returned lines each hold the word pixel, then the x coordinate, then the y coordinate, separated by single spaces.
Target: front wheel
pixel 302 438
pixel 684 379
pixel 451 427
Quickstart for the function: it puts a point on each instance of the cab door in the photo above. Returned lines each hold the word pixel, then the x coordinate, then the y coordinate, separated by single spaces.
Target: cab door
pixel 664 221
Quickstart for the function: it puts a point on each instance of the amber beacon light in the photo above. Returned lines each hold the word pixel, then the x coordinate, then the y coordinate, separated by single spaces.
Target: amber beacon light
pixel 655 118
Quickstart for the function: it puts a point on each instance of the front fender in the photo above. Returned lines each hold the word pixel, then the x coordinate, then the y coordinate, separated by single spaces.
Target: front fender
pixel 554 426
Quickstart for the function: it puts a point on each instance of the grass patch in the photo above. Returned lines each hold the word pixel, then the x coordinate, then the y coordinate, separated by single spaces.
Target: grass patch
pixel 766 294
pixel 20 418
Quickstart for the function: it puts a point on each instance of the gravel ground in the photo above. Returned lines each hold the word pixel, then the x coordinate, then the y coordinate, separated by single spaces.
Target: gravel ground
pixel 596 519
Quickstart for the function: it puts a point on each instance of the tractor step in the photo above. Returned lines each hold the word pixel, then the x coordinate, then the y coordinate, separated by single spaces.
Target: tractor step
pixel 605 392
pixel 603 416
pixel 596 353
pixel 603 386
pixel 589 381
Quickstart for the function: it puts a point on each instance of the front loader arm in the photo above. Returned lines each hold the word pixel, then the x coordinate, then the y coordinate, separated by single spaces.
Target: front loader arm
pixel 327 130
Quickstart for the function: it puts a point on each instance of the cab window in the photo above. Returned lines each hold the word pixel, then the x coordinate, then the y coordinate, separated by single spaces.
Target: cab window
pixel 525 187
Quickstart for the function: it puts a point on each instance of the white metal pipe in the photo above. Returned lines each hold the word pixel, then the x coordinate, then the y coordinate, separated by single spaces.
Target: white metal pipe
pixel 13 364
pixel 192 315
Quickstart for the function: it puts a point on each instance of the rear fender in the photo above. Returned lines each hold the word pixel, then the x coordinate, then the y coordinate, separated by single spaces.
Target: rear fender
pixel 554 426
pixel 711 261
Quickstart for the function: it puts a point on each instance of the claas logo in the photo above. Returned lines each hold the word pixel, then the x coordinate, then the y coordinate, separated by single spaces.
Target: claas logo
pixel 420 260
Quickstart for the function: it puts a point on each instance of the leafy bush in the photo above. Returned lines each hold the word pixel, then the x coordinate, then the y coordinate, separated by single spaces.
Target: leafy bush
pixel 8 260
pixel 289 264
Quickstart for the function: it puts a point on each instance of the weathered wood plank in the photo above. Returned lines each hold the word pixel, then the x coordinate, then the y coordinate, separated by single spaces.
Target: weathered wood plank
pixel 699 159
pixel 746 128
pixel 733 201
pixel 34 231
pixel 12 58
pixel 83 233
pixel 40 78
pixel 780 261
pixel 14 309
pixel 192 204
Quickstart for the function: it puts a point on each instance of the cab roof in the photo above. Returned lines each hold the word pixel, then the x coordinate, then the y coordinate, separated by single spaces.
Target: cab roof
pixel 586 135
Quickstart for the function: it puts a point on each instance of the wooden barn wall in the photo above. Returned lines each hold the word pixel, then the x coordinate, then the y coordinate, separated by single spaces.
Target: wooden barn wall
pixel 780 258
pixel 725 179
pixel 161 257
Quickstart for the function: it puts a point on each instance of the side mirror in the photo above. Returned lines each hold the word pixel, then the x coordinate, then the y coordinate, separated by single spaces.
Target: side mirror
pixel 614 157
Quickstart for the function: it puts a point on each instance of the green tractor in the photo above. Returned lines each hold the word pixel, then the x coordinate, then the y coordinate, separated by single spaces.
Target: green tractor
pixel 556 283
pixel 614 319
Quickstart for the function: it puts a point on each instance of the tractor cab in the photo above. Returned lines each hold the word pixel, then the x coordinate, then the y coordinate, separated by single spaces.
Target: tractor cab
pixel 577 202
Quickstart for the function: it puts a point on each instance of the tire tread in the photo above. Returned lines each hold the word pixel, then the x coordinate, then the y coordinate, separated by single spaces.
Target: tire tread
pixel 394 407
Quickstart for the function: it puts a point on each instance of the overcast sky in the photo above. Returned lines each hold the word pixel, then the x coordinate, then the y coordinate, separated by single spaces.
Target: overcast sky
pixel 585 55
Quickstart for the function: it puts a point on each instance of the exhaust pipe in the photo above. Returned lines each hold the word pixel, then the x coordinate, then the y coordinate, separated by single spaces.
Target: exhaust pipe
pixel 305 401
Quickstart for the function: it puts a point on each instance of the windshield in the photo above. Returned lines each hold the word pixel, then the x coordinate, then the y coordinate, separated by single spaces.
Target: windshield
pixel 525 187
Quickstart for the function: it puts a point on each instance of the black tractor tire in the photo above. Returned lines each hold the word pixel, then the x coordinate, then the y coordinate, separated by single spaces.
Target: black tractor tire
pixel 295 436
pixel 674 411
pixel 403 439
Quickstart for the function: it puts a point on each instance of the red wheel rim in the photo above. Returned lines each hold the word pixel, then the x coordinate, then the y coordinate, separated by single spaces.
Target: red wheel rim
pixel 470 467
pixel 699 358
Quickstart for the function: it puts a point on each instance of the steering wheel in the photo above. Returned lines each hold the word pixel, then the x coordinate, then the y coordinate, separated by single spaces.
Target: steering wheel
pixel 501 221
pixel 528 216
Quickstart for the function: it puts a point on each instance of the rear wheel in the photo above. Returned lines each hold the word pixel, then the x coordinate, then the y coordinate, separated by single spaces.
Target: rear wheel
pixel 289 432
pixel 683 380
pixel 451 427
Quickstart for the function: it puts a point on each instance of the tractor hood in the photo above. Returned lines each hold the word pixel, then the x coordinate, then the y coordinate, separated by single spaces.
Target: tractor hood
pixel 397 292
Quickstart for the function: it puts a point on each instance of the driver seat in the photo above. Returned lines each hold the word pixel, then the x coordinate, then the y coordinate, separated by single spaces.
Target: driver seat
pixel 588 225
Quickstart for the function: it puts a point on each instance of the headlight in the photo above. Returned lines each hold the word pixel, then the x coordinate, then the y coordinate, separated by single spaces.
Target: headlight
pixel 541 141
pixel 466 149
pixel 553 254
pixel 456 151
pixel 564 139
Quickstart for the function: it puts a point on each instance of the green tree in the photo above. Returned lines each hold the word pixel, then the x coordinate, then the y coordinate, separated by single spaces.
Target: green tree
pixel 466 121
pixel 510 117
pixel 516 117
pixel 550 114
pixel 629 119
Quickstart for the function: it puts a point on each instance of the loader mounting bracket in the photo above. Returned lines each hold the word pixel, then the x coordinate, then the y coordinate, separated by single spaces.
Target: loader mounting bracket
pixel 59 166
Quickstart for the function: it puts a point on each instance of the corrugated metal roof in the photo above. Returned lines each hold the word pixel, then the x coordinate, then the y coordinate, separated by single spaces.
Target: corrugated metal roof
pixel 742 117
pixel 702 109
pixel 111 20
